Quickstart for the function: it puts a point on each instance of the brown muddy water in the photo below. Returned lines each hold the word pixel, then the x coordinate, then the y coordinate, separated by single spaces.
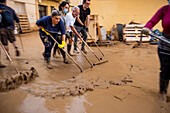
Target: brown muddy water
pixel 128 83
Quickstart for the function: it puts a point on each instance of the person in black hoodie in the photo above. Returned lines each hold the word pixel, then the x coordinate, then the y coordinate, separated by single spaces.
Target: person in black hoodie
pixel 80 24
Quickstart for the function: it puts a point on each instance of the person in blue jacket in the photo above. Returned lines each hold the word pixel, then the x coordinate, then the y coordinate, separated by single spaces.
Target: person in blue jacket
pixel 51 25
pixel 7 31
pixel 1 9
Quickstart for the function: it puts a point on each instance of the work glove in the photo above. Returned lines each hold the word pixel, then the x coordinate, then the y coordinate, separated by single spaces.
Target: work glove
pixel 87 29
pixel 84 27
pixel 145 31
pixel 68 34
pixel 62 45
pixel 47 33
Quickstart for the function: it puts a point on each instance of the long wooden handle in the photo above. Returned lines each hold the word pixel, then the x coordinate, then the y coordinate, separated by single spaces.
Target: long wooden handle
pixel 160 38
pixel 9 57
pixel 96 44
pixel 90 49
pixel 82 53
pixel 67 54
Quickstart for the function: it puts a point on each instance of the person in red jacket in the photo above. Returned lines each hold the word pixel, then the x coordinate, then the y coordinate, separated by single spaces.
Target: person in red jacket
pixel 163 48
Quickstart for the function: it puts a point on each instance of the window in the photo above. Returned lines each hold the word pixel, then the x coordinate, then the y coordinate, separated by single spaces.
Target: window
pixel 42 11
pixel 52 8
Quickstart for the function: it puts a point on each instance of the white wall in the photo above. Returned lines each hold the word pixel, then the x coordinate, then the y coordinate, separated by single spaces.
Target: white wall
pixel 30 8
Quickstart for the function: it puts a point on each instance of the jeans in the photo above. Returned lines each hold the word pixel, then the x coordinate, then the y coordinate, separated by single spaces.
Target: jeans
pixel 84 33
pixel 165 69
pixel 49 43
pixel 61 50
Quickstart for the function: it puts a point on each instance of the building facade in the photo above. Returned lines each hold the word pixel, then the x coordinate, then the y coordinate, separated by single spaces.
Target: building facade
pixel 110 12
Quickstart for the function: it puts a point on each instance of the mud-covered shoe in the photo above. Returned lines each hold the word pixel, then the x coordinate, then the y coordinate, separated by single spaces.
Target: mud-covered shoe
pixel 163 97
pixel 54 55
pixel 75 51
pixel 2 65
pixel 65 61
pixel 85 52
pixel 70 54
pixel 17 52
pixel 48 65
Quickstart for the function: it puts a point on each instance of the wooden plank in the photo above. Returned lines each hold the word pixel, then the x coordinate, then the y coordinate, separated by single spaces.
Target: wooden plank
pixel 132 32
pixel 23 20
pixel 26 25
pixel 134 25
pixel 19 14
pixel 24 17
pixel 137 39
pixel 23 28
pixel 26 29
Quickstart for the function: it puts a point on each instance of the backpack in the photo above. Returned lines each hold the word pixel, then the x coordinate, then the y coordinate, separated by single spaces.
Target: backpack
pixel 7 19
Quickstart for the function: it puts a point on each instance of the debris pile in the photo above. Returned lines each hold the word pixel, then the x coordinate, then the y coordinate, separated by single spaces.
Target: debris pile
pixel 15 81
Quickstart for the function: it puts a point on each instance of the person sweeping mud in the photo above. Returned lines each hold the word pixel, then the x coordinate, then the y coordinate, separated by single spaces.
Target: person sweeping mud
pixel 53 24
pixel 70 20
pixel 1 9
pixel 80 24
pixel 163 48
pixel 63 8
pixel 7 29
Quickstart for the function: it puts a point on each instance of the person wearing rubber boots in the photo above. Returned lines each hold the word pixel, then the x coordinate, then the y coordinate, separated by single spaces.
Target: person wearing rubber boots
pixel 63 9
pixel 70 20
pixel 163 48
pixel 53 24
pixel 80 24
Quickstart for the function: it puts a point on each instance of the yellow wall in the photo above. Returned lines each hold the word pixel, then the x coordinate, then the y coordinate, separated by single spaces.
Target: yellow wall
pixel 112 12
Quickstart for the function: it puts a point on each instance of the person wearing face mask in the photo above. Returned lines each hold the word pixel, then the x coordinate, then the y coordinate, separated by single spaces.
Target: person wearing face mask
pixel 80 24
pixel 48 25
pixel 70 20
pixel 163 48
pixel 63 8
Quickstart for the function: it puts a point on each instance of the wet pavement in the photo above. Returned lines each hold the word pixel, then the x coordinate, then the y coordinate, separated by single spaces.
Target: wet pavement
pixel 52 91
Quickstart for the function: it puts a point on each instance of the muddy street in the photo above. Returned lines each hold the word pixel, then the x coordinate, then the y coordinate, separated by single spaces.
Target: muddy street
pixel 128 83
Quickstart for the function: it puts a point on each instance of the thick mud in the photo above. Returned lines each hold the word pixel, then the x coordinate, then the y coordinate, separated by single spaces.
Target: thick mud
pixel 127 83
pixel 14 81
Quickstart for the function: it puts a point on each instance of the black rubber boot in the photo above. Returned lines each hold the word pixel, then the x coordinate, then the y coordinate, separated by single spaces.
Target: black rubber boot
pixel 163 90
pixel 48 64
pixel 64 56
pixel 69 49
pixel 163 84
pixel 17 52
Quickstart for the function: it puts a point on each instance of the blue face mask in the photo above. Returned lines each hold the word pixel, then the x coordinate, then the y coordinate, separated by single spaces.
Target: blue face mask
pixel 65 11
pixel 169 2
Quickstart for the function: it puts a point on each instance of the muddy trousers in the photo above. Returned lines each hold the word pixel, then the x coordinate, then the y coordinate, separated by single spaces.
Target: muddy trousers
pixel 83 32
pixel 165 70
pixel 61 50
pixel 49 43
